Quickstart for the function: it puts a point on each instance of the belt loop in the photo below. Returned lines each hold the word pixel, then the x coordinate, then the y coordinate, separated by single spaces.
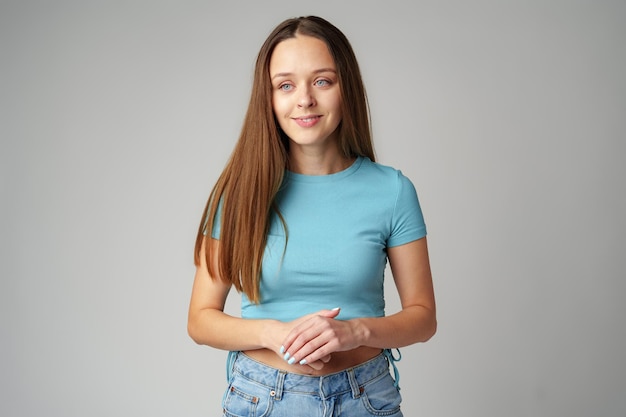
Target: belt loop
pixel 354 385
pixel 230 364
pixel 280 382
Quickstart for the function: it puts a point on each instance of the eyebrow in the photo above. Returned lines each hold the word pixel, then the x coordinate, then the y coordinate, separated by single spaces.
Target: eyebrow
pixel 318 71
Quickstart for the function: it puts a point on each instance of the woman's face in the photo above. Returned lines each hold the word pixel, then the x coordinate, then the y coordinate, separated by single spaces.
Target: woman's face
pixel 306 97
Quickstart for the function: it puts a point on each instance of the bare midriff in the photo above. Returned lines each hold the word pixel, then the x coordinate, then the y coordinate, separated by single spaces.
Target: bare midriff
pixel 339 361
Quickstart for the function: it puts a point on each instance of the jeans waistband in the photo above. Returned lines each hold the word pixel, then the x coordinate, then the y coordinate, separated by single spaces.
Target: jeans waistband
pixel 325 386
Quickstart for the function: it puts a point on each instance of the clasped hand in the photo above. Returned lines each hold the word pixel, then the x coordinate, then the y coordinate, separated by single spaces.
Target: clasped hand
pixel 313 339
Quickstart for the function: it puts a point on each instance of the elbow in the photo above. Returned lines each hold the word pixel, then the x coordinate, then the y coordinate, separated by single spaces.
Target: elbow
pixel 200 332
pixel 431 329
pixel 428 327
pixel 192 331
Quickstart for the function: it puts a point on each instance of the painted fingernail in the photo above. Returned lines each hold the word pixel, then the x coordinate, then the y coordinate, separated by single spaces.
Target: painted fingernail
pixel 282 350
pixel 335 309
pixel 291 361
pixel 303 362
pixel 287 355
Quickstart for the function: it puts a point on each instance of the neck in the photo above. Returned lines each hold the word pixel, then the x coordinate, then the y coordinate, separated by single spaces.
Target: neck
pixel 310 162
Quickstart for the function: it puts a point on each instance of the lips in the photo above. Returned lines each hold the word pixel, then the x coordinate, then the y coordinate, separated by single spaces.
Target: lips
pixel 307 121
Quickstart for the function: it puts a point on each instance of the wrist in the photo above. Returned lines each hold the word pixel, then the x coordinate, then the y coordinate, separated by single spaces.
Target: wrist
pixel 267 337
pixel 361 331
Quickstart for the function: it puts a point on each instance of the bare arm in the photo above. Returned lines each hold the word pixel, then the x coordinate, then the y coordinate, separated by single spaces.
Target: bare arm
pixel 208 324
pixel 416 322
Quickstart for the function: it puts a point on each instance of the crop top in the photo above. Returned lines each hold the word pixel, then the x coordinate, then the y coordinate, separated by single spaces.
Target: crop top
pixel 339 227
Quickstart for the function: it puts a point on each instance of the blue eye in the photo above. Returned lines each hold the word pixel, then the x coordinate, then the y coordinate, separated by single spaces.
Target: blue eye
pixel 322 83
pixel 285 87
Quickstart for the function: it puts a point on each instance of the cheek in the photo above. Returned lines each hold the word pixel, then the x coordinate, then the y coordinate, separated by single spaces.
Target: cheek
pixel 337 105
pixel 338 111
pixel 279 106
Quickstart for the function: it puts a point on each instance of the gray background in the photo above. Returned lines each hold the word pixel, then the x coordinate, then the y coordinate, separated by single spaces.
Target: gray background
pixel 116 118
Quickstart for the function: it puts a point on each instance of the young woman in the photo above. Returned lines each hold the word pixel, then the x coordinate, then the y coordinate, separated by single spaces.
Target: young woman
pixel 302 222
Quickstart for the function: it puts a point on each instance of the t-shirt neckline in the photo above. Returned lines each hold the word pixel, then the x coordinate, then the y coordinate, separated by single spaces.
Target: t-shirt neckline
pixel 292 176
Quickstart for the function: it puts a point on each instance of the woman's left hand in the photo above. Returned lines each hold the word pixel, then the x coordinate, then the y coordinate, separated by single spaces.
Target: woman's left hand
pixel 318 337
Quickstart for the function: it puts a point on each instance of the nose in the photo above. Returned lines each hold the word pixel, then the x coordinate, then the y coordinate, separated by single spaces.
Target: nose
pixel 306 99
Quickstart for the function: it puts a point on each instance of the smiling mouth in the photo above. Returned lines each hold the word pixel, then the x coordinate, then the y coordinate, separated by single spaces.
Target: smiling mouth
pixel 307 121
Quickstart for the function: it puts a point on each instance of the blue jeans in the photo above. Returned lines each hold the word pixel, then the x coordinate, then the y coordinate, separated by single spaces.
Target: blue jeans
pixel 258 390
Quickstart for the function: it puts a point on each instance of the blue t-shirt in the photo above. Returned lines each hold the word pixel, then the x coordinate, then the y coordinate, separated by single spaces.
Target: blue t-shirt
pixel 339 227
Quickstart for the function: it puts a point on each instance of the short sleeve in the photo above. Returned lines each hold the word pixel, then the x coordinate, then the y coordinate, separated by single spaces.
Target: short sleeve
pixel 217 222
pixel 407 220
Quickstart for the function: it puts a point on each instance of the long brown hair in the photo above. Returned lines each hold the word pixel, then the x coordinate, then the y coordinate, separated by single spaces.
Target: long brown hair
pixel 247 186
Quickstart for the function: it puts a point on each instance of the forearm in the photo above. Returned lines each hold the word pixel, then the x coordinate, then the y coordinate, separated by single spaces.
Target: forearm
pixel 411 325
pixel 219 330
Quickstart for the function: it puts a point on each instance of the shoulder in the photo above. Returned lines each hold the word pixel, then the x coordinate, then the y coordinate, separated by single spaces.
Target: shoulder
pixel 388 175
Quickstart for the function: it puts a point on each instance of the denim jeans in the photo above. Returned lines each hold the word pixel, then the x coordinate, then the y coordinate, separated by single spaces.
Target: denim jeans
pixel 258 390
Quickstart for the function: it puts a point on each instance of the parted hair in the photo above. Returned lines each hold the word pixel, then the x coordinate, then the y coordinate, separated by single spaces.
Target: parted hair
pixel 247 187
